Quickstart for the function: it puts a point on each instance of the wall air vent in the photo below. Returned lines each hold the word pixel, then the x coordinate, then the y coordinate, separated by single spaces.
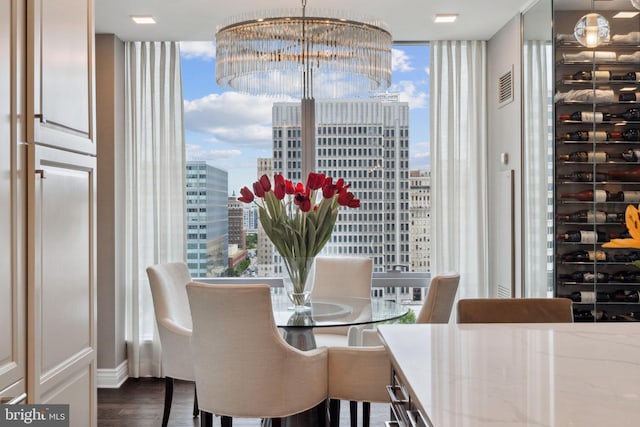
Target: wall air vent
pixel 505 88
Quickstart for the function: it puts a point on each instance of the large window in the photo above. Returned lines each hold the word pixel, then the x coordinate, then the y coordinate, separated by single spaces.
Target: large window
pixel 378 144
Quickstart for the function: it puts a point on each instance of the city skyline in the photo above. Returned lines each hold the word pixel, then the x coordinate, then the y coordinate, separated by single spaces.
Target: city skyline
pixel 231 130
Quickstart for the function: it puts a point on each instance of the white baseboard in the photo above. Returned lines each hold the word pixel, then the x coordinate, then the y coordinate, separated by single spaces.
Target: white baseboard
pixel 113 378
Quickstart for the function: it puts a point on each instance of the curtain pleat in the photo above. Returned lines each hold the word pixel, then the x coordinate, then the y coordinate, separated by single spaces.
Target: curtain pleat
pixel 155 188
pixel 536 85
pixel 459 163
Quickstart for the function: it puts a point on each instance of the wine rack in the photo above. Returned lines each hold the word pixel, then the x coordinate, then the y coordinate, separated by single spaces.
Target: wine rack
pixel 597 156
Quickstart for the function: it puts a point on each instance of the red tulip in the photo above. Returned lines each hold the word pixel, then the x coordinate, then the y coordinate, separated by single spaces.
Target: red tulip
pixel 328 189
pixel 247 195
pixel 302 201
pixel 258 189
pixel 300 188
pixel 279 186
pixel 346 198
pixel 289 187
pixel 266 184
pixel 315 180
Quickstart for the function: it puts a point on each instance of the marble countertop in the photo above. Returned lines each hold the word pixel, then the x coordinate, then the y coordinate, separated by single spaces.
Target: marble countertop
pixel 561 375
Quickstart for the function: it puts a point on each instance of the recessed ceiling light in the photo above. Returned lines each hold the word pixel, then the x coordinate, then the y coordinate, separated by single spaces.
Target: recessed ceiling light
pixel 445 17
pixel 625 14
pixel 143 19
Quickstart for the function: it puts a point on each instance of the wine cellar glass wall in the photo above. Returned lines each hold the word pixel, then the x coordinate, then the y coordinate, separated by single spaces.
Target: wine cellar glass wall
pixel 597 167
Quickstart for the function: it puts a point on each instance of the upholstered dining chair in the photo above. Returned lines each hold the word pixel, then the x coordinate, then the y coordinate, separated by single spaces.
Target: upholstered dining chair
pixel 168 289
pixel 357 374
pixel 435 309
pixel 515 310
pixel 243 367
pixel 340 276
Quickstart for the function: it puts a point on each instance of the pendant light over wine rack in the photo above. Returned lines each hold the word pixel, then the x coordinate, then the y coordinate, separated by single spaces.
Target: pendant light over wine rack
pixel 592 29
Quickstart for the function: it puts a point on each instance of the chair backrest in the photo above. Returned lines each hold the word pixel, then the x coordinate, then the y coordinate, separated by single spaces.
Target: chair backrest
pixel 168 289
pixel 439 301
pixel 171 306
pixel 515 310
pixel 343 276
pixel 243 367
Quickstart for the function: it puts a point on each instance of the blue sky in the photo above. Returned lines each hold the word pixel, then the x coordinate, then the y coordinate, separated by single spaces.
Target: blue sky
pixel 230 130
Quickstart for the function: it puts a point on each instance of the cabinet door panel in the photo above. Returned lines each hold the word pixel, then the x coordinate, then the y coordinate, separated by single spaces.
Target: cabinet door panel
pixel 60 64
pixel 61 282
pixel 12 284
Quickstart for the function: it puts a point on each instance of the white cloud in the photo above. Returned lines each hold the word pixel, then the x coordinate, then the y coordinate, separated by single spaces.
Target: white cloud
pixel 202 50
pixel 231 117
pixel 199 152
pixel 407 92
pixel 400 61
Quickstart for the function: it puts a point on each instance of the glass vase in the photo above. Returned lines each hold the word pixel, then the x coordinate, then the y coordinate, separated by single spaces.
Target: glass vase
pixel 298 282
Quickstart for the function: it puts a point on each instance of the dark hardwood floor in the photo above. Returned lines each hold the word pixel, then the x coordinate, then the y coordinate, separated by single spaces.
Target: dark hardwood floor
pixel 139 402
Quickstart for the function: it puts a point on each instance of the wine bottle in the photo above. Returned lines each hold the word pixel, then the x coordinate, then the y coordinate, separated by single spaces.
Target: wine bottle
pixel 584 236
pixel 589 315
pixel 630 256
pixel 585 135
pixel 585 156
pixel 625 317
pixel 588 296
pixel 631 115
pixel 588 75
pixel 587 116
pixel 626 276
pixel 627 196
pixel 591 195
pixel 632 134
pixel 589 216
pixel 621 295
pixel 628 97
pixel 631 75
pixel 631 155
pixel 584 177
pixel 628 175
pixel 584 256
pixel 586 277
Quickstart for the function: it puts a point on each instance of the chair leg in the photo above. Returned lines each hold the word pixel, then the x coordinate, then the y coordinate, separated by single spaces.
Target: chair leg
pixel 206 419
pixel 334 412
pixel 226 421
pixel 353 413
pixel 196 410
pixel 366 412
pixel 168 397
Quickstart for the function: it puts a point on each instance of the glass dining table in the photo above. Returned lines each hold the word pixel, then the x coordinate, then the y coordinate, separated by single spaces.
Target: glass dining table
pixel 298 326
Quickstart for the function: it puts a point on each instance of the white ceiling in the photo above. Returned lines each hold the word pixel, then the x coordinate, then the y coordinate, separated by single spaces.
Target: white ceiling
pixel 409 20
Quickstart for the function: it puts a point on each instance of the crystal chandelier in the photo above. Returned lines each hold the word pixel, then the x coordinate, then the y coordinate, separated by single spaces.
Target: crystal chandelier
pixel 284 52
pixel 290 52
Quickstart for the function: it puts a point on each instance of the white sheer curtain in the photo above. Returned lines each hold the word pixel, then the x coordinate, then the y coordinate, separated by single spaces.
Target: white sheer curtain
pixel 536 97
pixel 155 187
pixel 459 163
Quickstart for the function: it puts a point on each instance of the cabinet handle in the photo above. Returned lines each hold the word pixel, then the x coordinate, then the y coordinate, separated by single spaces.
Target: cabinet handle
pixel 13 400
pixel 42 117
pixel 41 173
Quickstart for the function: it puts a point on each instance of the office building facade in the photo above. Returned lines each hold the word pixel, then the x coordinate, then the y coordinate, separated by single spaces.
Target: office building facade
pixel 207 219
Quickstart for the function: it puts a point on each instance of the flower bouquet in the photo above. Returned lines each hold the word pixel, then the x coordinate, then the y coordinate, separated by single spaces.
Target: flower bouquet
pixel 299 220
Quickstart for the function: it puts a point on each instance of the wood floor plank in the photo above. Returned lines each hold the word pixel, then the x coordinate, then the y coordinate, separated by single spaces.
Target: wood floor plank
pixel 139 403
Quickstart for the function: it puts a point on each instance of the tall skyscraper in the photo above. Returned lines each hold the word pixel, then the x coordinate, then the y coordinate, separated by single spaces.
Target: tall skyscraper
pixel 420 213
pixel 366 142
pixel 207 223
pixel 265 247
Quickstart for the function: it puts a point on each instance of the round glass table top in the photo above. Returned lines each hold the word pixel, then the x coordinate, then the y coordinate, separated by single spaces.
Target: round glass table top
pixel 337 311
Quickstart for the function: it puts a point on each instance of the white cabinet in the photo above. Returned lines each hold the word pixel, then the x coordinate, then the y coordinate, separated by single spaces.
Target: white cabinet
pixel 60 86
pixel 61 282
pixel 12 278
